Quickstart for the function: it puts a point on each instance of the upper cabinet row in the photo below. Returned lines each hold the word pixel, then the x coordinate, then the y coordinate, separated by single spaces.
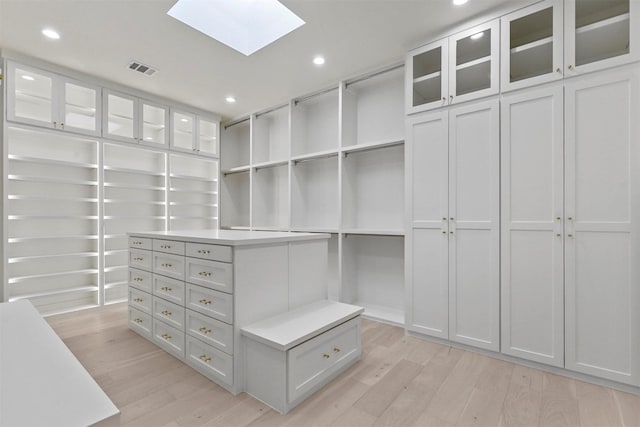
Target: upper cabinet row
pixel 546 41
pixel 45 99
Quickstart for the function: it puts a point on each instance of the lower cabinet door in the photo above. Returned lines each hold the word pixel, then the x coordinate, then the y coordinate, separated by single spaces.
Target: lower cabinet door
pixel 218 305
pixel 169 338
pixel 210 361
pixel 140 322
pixel 313 361
pixel 211 331
pixel 168 312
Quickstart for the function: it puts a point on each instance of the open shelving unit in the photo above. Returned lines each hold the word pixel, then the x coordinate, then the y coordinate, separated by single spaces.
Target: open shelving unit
pixel 235 145
pixel 271 135
pixel 271 197
pixel 134 199
pixel 315 194
pixel 52 215
pixel 235 199
pixel 314 123
pixel 193 193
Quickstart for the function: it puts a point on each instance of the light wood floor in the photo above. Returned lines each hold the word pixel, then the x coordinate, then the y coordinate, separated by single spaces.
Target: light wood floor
pixel 400 381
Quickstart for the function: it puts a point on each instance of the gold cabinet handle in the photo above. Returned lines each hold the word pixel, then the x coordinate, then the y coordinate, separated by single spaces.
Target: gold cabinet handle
pixel 165 246
pixel 205 330
pixel 570 67
pixel 558 218
pixel 569 235
pixel 138 259
pixel 205 301
pixel 205 358
pixel 137 320
pixel 138 299
pixel 137 243
pixel 203 251
pixel 558 235
pixel 166 289
pixel 166 265
pixel 570 218
pixel 558 70
pixel 205 273
pixel 166 336
pixel 336 350
pixel 326 356
pixel 444 231
pixel 138 279
pixel 166 313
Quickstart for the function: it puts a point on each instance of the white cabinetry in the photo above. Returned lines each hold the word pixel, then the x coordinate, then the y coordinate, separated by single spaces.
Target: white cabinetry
pixel 193 133
pixel 532 225
pixel 454 244
pixel 553 39
pixel 131 119
pixel 602 225
pixel 46 99
pixel 193 192
pixel 459 68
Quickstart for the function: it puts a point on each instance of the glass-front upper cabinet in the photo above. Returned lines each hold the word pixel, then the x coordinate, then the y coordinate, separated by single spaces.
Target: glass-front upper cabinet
pixel 452 70
pixel 193 133
pixel 600 34
pixel 531 45
pixel 132 119
pixel 49 100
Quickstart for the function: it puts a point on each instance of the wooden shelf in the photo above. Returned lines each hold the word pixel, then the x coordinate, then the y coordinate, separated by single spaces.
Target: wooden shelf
pixel 133 171
pixel 14 260
pixel 49 179
pixel 131 186
pixel 602 40
pixel 42 161
pixel 19 279
pixel 474 63
pixel 75 289
pixel 193 178
pixel 52 198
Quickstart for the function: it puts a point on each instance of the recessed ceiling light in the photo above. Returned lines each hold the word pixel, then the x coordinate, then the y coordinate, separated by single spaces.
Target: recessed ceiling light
pixel 477 36
pixel 230 99
pixel 149 138
pixel 184 120
pixel 459 2
pixel 318 60
pixel 243 25
pixel 28 78
pixel 52 34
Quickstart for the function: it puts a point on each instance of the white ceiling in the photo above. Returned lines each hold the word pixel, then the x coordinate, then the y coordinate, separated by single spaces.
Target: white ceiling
pixel 100 37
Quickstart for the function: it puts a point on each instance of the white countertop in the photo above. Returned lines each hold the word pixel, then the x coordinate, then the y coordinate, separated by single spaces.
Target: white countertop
pixel 230 237
pixel 294 327
pixel 41 381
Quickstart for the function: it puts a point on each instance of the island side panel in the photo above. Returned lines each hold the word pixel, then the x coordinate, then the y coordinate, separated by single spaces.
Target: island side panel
pixel 308 272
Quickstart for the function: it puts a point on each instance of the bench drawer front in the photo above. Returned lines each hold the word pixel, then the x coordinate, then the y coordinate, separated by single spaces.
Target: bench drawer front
pixel 168 246
pixel 140 243
pixel 218 305
pixel 211 331
pixel 210 252
pixel 139 258
pixel 169 289
pixel 168 312
pixel 168 338
pixel 140 300
pixel 313 361
pixel 210 361
pixel 140 279
pixel 140 322
pixel 168 265
pixel 211 274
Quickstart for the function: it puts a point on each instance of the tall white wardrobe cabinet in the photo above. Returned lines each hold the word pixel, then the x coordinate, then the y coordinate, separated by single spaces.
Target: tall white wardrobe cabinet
pixel 526 240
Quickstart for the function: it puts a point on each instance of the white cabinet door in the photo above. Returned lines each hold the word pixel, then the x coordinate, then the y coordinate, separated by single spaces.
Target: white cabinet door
pixel 600 34
pixel 183 131
pixel 474 193
pixel 208 137
pixel 602 209
pixel 80 107
pixel 532 279
pixel 427 77
pixel 30 96
pixel 531 45
pixel 153 126
pixel 121 116
pixel 427 239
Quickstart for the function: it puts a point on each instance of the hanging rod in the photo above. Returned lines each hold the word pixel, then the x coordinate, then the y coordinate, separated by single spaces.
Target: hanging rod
pixel 374 74
pixel 323 156
pixel 271 110
pixel 380 146
pixel 313 95
pixel 237 122
pixel 234 172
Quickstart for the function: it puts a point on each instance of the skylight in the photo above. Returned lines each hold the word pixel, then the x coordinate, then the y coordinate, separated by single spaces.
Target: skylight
pixel 244 25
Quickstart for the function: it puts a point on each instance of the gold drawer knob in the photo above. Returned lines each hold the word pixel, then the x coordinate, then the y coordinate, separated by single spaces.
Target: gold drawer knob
pixel 166 265
pixel 204 251
pixel 137 320
pixel 166 289
pixel 166 313
pixel 138 259
pixel 138 279
pixel 205 358
pixel 336 350
pixel 205 301
pixel 326 356
pixel 138 299
pixel 205 273
pixel 165 246
pixel 205 330
pixel 166 336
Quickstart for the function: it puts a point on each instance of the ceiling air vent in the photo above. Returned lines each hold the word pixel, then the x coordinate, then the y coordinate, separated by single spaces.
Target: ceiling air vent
pixel 141 68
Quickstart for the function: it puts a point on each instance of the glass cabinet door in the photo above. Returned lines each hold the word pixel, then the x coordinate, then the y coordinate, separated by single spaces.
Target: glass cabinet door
pixel 208 137
pixel 80 108
pixel 427 77
pixel 183 131
pixel 154 124
pixel 473 58
pixel 121 117
pixel 31 94
pixel 600 33
pixel 532 45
